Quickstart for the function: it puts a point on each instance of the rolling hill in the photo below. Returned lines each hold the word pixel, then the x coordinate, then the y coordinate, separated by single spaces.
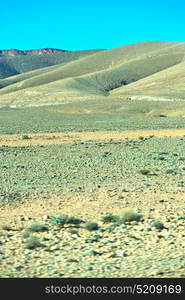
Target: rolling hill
pixel 154 69
pixel 169 82
pixel 13 62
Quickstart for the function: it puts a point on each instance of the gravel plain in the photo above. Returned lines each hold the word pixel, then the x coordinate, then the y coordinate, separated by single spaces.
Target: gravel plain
pixel 89 179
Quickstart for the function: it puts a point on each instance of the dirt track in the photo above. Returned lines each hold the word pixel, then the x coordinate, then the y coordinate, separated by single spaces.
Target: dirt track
pixel 65 138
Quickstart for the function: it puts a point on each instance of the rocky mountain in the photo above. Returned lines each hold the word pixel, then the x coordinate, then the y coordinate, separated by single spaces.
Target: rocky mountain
pixel 16 52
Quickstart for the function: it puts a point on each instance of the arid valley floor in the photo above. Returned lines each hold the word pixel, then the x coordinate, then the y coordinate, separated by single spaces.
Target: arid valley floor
pixel 89 175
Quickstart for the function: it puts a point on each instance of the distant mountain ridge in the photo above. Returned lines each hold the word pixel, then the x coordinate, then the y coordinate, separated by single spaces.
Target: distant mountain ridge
pixel 14 61
pixel 151 69
pixel 16 52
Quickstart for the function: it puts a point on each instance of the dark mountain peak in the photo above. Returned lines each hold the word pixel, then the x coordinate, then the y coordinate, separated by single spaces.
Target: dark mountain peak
pixel 16 52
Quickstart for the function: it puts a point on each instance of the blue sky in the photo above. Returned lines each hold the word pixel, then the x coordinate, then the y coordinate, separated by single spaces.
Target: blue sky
pixel 86 24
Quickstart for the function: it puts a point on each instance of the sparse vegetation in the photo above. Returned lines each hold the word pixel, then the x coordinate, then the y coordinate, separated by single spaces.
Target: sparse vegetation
pixel 25 137
pixel 65 219
pixel 73 231
pixel 158 224
pixel 6 227
pixel 109 218
pixel 91 226
pixel 181 218
pixel 113 226
pixel 129 215
pixel 171 171
pixel 25 234
pixel 33 242
pixel 37 227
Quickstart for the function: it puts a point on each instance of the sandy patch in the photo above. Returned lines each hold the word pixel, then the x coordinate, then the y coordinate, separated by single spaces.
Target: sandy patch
pixel 57 138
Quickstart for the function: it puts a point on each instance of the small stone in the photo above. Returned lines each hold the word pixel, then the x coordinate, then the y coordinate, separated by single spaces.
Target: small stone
pixel 147 229
pixel 123 226
pixel 122 254
pixel 21 218
pixel 163 153
pixel 134 223
pixel 120 197
pixel 151 209
pixel 54 248
pixel 90 253
pixel 159 273
pixel 19 268
pixel 170 236
pixel 160 236
pixel 109 255
pixel 27 251
pixel 72 260
pixel 45 217
pixel 26 218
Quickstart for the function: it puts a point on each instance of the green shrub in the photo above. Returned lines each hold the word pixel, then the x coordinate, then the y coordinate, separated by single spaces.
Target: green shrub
pixel 109 218
pixel 130 215
pixel 37 227
pixel 25 137
pixel 94 238
pixel 158 225
pixel 73 231
pixel 181 218
pixel 171 171
pixel 65 219
pixel 112 226
pixel 25 235
pixel 6 227
pixel 33 242
pixel 91 226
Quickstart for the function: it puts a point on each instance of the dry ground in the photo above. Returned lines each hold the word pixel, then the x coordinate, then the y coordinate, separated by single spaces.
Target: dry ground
pixel 93 204
pixel 61 138
pixel 97 202
pixel 131 250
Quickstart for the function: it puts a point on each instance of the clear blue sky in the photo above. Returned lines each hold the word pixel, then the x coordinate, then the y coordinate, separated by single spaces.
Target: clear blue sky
pixel 86 24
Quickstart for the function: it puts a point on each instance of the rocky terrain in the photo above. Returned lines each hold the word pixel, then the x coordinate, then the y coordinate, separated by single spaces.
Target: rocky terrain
pixel 34 247
pixel 88 180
